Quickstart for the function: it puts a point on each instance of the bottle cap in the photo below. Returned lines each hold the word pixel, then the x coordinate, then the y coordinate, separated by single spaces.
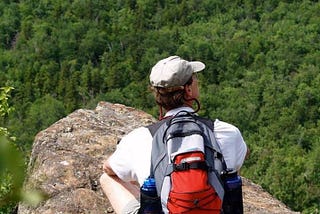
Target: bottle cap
pixel 149 182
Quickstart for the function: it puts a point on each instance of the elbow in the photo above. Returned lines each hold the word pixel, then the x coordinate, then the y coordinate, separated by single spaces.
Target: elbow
pixel 107 168
pixel 248 153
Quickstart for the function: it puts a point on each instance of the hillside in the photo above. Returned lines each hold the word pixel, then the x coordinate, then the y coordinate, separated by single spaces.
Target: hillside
pixel 262 72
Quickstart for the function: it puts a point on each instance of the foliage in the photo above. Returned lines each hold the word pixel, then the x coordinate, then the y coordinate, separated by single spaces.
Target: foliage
pixel 5 109
pixel 11 174
pixel 262 72
pixel 11 167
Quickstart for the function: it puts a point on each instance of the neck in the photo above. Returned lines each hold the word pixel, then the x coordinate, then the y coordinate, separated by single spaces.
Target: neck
pixel 190 103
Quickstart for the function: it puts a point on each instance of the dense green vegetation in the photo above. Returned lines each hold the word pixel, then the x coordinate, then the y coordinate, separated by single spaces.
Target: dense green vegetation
pixel 262 57
pixel 11 160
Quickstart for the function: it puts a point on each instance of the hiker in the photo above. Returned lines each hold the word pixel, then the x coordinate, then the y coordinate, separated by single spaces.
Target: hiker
pixel 175 86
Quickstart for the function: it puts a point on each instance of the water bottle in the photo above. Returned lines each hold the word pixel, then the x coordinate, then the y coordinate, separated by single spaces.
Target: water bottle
pixel 232 201
pixel 149 187
pixel 149 200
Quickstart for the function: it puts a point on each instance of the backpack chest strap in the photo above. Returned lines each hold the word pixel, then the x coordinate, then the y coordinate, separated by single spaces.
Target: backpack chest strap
pixel 194 165
pixel 186 166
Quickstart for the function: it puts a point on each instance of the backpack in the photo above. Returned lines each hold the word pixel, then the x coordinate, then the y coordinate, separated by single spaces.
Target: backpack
pixel 186 163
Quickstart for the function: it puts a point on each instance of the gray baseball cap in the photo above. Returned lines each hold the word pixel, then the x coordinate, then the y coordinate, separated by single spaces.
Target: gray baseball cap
pixel 173 71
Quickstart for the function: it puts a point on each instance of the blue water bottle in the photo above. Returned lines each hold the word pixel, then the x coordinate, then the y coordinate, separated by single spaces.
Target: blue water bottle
pixel 232 201
pixel 149 187
pixel 149 200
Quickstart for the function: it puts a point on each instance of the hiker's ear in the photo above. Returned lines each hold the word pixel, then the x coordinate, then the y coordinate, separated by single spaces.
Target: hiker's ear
pixel 188 91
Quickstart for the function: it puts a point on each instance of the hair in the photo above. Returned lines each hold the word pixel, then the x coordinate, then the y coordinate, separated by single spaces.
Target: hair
pixel 173 97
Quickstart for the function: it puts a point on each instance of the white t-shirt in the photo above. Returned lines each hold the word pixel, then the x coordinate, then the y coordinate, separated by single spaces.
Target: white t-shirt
pixel 132 158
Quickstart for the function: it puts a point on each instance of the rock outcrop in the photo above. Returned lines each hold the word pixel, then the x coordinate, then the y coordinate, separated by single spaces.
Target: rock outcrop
pixel 66 162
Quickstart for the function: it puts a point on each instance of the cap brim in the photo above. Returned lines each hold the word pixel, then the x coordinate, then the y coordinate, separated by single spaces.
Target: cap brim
pixel 197 66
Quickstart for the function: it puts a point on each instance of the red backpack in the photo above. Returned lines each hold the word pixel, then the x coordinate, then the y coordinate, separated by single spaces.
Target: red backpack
pixel 186 163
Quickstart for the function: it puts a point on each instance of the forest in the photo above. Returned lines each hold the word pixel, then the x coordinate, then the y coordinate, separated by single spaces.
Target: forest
pixel 262 74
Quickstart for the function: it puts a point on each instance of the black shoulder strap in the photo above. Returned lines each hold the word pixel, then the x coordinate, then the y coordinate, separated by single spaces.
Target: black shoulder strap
pixel 207 122
pixel 155 126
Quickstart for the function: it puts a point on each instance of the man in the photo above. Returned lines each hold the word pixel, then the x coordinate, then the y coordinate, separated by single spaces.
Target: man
pixel 175 87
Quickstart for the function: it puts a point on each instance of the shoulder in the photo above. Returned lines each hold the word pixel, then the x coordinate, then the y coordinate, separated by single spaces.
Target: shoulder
pixel 226 129
pixel 138 134
pixel 225 126
pixel 139 131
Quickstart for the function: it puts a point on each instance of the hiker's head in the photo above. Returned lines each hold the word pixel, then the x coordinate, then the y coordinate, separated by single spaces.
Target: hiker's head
pixel 174 82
